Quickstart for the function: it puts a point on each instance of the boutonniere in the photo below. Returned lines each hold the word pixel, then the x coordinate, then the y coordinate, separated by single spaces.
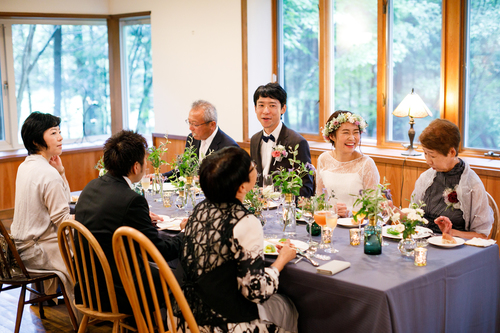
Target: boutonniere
pixel 450 198
pixel 278 153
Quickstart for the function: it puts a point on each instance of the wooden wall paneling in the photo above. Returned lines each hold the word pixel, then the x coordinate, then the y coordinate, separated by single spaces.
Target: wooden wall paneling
pixel 80 168
pixel 8 181
pixel 392 175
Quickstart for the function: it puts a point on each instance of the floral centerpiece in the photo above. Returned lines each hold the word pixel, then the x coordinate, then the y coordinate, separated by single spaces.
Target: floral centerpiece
pixel 290 182
pixel 309 206
pixel 409 219
pixel 100 166
pixel 255 202
pixel 186 167
pixel 372 202
pixel 156 158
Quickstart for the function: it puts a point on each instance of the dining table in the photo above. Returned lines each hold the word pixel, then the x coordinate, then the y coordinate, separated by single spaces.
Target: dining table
pixel 457 291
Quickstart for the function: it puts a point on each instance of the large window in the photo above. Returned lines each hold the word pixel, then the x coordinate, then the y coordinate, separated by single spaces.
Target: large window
pixel 415 60
pixel 482 109
pixel 137 75
pixel 62 68
pixel 299 72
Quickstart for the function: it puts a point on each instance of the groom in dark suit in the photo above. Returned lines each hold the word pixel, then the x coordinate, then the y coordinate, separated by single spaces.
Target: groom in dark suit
pixel 205 136
pixel 270 104
pixel 109 202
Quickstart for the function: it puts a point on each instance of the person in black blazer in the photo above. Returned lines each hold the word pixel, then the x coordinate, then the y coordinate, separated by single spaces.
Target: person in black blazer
pixel 108 202
pixel 270 104
pixel 205 136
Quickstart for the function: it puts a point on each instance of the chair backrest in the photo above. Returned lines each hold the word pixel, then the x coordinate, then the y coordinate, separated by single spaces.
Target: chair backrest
pixel 83 265
pixel 6 257
pixel 126 242
pixel 496 216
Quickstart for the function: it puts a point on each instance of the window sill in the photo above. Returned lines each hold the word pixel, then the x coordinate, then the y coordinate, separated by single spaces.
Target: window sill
pixel 16 154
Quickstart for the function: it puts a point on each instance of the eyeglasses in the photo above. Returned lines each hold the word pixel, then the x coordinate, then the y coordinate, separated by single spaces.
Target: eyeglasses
pixel 196 125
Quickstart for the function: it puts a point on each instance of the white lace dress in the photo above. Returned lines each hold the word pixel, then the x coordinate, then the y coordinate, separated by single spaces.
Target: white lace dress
pixel 345 178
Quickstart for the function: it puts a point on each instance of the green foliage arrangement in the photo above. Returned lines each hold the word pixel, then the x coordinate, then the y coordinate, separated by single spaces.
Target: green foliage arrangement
pixel 155 154
pixel 186 164
pixel 290 180
pixel 372 202
pixel 100 166
pixel 255 200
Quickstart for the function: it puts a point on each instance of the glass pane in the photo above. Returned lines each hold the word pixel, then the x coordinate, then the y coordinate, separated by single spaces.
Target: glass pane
pixel 139 71
pixel 2 120
pixel 416 61
pixel 482 124
pixel 354 59
pixel 300 64
pixel 64 70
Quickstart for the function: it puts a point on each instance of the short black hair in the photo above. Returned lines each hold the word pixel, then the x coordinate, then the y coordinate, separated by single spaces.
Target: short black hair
pixel 122 150
pixel 33 128
pixel 222 173
pixel 271 90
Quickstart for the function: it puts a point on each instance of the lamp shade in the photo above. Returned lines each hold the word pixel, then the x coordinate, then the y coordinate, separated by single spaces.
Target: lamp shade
pixel 412 106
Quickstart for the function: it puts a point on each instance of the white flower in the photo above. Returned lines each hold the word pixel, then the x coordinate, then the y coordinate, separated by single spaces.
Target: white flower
pixel 395 217
pixel 266 191
pixel 275 195
pixel 399 227
pixel 406 210
pixel 182 179
pixel 425 220
pixel 420 211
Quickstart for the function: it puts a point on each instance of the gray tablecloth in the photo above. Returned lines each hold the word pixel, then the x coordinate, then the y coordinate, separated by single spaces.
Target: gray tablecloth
pixel 458 290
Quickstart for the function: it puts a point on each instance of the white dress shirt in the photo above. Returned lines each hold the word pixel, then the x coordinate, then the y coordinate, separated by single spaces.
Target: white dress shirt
pixel 266 149
pixel 204 144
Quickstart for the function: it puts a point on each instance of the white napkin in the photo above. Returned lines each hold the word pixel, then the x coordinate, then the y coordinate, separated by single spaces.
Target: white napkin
pixel 169 223
pixel 333 267
pixel 480 242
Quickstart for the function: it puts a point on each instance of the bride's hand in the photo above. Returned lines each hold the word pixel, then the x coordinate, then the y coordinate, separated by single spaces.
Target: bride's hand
pixel 341 209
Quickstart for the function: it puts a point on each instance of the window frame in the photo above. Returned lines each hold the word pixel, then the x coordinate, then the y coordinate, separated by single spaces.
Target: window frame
pixel 453 66
pixel 114 53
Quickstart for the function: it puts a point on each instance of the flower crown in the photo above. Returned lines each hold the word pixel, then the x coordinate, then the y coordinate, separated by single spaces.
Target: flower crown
pixel 335 123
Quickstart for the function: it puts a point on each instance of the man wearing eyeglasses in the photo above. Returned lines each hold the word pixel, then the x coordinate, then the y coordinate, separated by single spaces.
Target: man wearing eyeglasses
pixel 205 135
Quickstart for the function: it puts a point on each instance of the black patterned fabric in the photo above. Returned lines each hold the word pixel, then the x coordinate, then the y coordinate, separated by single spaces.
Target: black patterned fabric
pixel 224 280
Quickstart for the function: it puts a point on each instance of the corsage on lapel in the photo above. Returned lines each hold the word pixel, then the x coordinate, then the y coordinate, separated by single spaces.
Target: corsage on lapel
pixel 278 153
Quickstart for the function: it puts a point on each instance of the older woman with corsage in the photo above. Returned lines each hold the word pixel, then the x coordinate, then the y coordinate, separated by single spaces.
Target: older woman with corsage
pixel 344 171
pixel 227 285
pixel 455 198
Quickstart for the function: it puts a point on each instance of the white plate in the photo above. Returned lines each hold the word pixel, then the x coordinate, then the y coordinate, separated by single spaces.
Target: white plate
pixel 421 232
pixel 169 187
pixel 173 224
pixel 438 241
pixel 347 222
pixel 298 244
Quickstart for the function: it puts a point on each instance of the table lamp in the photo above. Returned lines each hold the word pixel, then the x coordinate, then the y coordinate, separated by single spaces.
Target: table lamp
pixel 412 106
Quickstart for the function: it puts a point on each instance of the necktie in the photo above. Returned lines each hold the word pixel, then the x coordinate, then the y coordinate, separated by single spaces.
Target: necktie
pixel 267 138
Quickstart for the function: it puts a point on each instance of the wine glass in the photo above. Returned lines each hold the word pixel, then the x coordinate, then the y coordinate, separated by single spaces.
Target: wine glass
pixel 308 215
pixel 278 198
pixel 145 182
pixel 331 224
pixel 320 219
pixel 267 187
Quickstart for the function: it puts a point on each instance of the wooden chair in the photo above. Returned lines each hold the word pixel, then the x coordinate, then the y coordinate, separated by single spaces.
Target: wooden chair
pixel 130 272
pixel 81 266
pixel 496 217
pixel 22 278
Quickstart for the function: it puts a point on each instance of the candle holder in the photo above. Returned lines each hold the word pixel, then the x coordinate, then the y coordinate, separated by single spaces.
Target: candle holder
pixel 355 236
pixel 167 199
pixel 420 256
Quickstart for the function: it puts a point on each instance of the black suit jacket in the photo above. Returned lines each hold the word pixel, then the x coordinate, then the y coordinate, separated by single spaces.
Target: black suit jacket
pixel 106 204
pixel 287 138
pixel 220 141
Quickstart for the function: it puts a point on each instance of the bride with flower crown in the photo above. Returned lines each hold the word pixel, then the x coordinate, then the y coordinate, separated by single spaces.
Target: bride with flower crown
pixel 344 171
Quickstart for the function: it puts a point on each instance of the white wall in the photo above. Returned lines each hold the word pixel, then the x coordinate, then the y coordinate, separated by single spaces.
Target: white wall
pixel 197 53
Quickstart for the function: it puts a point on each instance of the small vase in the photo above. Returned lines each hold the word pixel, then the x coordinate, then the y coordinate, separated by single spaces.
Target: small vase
pixel 157 187
pixel 180 201
pixel 289 218
pixel 407 245
pixel 373 238
pixel 258 214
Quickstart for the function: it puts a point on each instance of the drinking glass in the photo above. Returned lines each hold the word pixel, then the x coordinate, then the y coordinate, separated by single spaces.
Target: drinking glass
pixel 267 185
pixel 320 219
pixel 331 224
pixel 278 199
pixel 308 215
pixel 145 182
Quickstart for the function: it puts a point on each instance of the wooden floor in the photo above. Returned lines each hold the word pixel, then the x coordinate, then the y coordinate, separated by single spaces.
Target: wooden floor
pixel 56 317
